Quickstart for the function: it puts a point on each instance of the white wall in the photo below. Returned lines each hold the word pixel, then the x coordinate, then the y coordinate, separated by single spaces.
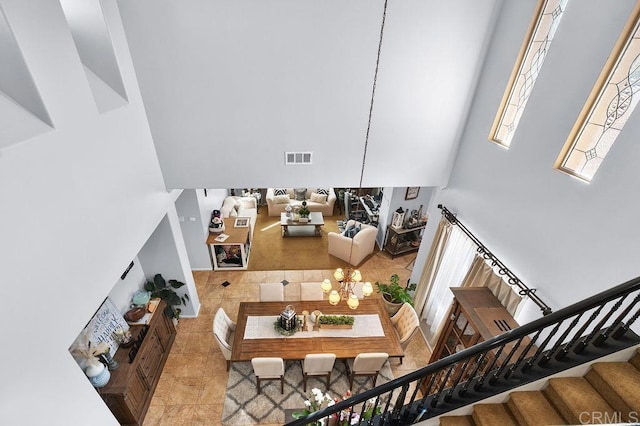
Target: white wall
pixel 76 206
pixel 194 223
pixel 230 86
pixel 165 253
pixel 123 289
pixel 566 238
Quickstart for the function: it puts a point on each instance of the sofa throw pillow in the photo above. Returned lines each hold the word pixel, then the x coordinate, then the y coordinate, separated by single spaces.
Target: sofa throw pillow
pixel 281 199
pixel 279 191
pixel 246 203
pixel 317 198
pixel 228 207
pixel 350 231
pixel 322 191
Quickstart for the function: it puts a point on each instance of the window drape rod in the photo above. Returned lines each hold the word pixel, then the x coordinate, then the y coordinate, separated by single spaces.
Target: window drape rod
pixel 502 269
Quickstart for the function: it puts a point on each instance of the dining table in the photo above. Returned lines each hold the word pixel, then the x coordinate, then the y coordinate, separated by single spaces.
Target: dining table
pixel 257 336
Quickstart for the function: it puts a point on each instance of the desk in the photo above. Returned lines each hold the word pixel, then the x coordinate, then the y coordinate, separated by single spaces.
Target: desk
pixel 294 348
pixel 371 214
pixel 232 253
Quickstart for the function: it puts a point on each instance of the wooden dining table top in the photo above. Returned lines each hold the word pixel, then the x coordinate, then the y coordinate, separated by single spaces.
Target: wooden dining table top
pixel 296 348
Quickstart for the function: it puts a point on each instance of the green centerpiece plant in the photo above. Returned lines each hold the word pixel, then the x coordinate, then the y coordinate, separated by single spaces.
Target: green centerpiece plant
pixel 304 211
pixel 336 319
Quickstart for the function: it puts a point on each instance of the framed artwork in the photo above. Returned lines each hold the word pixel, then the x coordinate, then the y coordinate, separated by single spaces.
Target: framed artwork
pixel 241 222
pixel 412 192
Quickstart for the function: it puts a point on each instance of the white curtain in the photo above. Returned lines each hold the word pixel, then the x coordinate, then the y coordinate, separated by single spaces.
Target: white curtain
pixel 432 264
pixel 456 260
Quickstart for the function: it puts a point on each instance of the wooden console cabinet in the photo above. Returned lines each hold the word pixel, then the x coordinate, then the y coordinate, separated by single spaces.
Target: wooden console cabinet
pixel 476 315
pixel 132 384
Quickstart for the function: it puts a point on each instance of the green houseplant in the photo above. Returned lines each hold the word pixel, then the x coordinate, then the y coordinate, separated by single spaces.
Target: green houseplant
pixel 394 295
pixel 164 290
pixel 304 211
pixel 336 320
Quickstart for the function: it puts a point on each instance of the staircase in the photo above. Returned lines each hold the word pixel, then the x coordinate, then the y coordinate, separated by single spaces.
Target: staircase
pixel 608 393
pixel 589 334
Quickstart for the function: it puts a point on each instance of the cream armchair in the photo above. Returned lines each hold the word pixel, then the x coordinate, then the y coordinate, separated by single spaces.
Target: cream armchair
pixel 363 243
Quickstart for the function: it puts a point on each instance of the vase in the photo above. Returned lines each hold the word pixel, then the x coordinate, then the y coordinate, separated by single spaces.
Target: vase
pixel 98 375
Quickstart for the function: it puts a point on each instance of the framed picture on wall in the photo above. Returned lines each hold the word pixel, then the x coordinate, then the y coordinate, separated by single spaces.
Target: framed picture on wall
pixel 412 192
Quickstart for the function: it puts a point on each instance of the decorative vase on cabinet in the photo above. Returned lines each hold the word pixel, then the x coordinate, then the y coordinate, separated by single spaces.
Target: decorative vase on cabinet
pixel 98 374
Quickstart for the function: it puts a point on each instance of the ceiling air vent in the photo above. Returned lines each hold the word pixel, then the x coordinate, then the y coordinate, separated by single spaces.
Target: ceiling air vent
pixel 297 158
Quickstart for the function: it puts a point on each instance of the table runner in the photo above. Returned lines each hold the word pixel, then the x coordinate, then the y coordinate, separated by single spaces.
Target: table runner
pixel 261 327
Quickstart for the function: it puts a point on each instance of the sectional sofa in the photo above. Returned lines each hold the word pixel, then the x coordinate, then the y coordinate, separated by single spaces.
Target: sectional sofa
pixel 278 203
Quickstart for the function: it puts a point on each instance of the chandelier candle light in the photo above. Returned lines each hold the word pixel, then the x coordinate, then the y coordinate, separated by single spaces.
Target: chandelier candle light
pixel 348 279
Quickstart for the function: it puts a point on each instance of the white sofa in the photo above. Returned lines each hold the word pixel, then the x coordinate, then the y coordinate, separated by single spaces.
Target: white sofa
pixel 363 243
pixel 277 206
pixel 234 206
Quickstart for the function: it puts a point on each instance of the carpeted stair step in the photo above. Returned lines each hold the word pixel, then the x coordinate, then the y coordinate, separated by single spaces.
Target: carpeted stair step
pixel 635 359
pixel 533 408
pixel 492 414
pixel 574 396
pixel 456 421
pixel 619 385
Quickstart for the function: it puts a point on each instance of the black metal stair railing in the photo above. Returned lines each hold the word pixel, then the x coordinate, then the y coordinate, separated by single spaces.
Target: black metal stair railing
pixel 585 331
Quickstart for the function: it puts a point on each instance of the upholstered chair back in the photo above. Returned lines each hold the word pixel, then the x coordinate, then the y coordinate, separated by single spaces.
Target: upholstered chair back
pixel 311 291
pixel 369 363
pixel 271 292
pixel 406 322
pixel 224 331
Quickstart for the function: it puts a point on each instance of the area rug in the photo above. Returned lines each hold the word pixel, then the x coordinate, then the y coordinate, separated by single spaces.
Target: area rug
pixel 243 405
pixel 269 251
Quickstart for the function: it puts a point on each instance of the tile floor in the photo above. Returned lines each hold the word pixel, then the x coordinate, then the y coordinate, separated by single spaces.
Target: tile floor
pixel 192 386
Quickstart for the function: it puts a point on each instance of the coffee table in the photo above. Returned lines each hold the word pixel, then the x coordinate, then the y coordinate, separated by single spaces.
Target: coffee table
pixel 315 219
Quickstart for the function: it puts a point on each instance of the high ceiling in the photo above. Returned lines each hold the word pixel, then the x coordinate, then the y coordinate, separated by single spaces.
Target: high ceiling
pixel 230 86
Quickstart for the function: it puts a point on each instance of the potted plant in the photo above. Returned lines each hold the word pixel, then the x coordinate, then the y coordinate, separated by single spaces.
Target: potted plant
pixel 394 295
pixel 304 212
pixel 335 321
pixel 164 290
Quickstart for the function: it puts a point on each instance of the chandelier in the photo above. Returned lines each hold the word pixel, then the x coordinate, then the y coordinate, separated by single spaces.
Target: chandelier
pixel 348 279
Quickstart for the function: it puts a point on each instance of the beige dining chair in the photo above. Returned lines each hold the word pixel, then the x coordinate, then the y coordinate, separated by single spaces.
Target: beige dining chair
pixel 406 324
pixel 357 290
pixel 224 330
pixel 366 364
pixel 317 365
pixel 311 291
pixel 271 292
pixel 267 368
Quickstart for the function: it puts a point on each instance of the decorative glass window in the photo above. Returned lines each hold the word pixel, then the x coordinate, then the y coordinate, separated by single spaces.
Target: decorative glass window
pixel 608 108
pixel 525 72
